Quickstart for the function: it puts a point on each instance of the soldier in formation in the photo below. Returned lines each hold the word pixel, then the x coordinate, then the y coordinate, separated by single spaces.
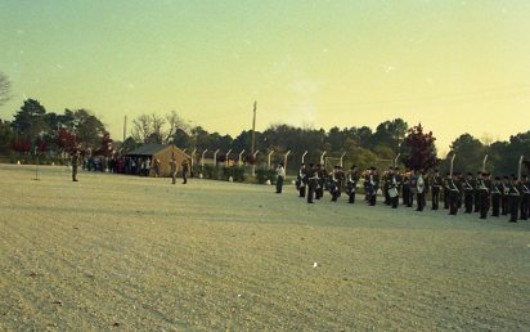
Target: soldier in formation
pixel 475 194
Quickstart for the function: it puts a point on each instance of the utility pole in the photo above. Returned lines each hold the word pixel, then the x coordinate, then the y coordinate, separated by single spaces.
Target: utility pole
pixel 125 128
pixel 254 128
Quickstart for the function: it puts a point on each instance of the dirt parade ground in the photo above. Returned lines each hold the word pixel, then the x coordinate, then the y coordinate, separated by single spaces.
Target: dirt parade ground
pixel 136 253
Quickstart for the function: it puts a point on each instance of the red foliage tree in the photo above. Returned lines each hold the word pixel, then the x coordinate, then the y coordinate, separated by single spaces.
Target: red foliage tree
pixel 418 149
pixel 105 149
pixel 21 145
pixel 66 140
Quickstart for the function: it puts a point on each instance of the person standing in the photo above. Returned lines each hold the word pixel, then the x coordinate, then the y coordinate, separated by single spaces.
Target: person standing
pixel 280 176
pixel 413 187
pixel 505 201
pixel 321 177
pixel 483 185
pixel 454 195
pixel 420 190
pixel 351 185
pixel 185 171
pixel 75 164
pixel 311 180
pixel 373 186
pixel 436 185
pixel 173 169
pixel 496 196
pixel 468 193
pixel 525 199
pixel 393 191
pixel 301 181
pixel 513 197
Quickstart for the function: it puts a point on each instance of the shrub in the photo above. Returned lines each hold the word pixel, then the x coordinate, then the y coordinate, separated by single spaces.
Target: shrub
pixel 263 174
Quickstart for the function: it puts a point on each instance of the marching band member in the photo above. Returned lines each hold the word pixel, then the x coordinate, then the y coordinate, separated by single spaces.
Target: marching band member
pixel 496 188
pixel 483 185
pixel 351 185
pixel 436 185
pixel 421 188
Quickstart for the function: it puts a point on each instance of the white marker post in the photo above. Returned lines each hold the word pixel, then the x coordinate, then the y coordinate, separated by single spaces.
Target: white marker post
pixel 227 161
pixel 396 159
pixel 303 156
pixel 520 168
pixel 239 159
pixel 215 157
pixel 484 163
pixel 202 157
pixel 322 158
pixel 285 161
pixel 452 163
pixel 254 164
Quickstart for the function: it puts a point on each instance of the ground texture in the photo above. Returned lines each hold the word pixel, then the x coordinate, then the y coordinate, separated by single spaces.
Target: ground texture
pixel 141 254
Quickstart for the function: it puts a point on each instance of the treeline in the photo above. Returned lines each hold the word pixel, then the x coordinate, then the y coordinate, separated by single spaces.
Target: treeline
pixel 34 130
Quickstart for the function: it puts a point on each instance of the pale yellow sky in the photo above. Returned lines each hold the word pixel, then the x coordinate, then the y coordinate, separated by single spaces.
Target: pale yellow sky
pixel 456 66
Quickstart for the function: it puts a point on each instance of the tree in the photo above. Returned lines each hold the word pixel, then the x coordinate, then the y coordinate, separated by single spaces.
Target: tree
pixel 7 136
pixel 469 152
pixel 151 128
pixel 66 140
pixel 5 88
pixel 89 130
pixel 148 128
pixel 418 149
pixel 105 148
pixel 176 123
pixel 29 121
pixel 390 134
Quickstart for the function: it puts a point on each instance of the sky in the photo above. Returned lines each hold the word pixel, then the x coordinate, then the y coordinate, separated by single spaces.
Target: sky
pixel 455 66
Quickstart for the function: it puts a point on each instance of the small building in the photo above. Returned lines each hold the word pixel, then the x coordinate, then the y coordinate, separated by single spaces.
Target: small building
pixel 161 152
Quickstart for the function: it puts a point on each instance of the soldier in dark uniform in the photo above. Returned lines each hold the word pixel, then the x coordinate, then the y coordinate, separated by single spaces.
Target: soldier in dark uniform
pixel 505 202
pixel 454 195
pixel 386 178
pixel 406 188
pixel 75 164
pixel 459 182
pixel 399 179
pixel 321 181
pixel 333 185
pixel 469 191
pixel 300 181
pixel 185 170
pixel 483 185
pixel 393 189
pixel 525 199
pixel 436 185
pixel 513 196
pixel 446 191
pixel 495 190
pixel 311 180
pixel 373 186
pixel 351 184
pixel 477 191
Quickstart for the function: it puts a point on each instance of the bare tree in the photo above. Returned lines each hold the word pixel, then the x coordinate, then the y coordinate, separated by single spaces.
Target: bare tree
pixel 141 130
pixel 176 123
pixel 151 128
pixel 5 88
pixel 157 123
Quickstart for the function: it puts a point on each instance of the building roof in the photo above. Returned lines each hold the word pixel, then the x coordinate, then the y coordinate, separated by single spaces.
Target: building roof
pixel 148 149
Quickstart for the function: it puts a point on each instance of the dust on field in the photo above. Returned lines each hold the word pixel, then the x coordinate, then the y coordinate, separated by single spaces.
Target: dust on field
pixel 136 253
